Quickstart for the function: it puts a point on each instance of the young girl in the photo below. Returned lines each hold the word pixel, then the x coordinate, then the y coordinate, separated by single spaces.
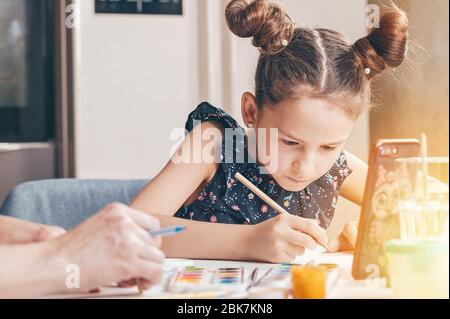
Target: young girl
pixel 311 85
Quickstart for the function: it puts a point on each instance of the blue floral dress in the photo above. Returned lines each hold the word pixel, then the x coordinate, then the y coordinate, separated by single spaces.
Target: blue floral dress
pixel 225 200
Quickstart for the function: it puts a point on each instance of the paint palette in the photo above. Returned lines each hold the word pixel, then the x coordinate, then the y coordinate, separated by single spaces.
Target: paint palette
pixel 193 279
pixel 189 279
pixel 282 272
pixel 228 276
pixel 279 276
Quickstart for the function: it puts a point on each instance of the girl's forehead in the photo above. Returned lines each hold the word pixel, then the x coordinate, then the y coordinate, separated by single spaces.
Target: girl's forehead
pixel 309 119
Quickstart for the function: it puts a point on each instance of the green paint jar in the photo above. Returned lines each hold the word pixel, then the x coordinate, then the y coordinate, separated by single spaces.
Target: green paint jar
pixel 418 268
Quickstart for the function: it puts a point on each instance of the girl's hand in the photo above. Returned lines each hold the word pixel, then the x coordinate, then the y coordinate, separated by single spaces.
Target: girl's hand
pixel 282 238
pixel 16 231
pixel 112 246
pixel 346 240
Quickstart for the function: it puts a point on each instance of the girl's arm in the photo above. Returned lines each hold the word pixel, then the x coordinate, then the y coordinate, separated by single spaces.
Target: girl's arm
pixel 170 189
pixel 279 239
pixel 203 240
pixel 353 186
pixel 353 190
pixel 179 179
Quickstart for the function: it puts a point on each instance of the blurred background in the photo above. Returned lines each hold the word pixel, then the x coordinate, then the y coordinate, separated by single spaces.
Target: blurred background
pixel 92 88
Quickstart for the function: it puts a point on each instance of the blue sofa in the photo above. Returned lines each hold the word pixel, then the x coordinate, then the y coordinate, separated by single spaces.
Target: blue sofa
pixel 67 202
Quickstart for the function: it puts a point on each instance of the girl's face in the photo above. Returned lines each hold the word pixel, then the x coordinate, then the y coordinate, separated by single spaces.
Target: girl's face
pixel 311 135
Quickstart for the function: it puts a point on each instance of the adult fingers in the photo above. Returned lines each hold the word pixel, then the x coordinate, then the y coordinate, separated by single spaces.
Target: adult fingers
pixel 146 221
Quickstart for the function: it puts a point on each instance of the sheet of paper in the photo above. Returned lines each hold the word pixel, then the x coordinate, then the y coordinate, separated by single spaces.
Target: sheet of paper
pixel 320 256
pixel 177 263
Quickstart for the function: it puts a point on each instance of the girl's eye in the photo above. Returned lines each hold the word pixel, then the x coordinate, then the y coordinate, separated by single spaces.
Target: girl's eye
pixel 290 143
pixel 329 148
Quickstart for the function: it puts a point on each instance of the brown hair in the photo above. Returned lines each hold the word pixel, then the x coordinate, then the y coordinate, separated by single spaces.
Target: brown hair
pixel 317 62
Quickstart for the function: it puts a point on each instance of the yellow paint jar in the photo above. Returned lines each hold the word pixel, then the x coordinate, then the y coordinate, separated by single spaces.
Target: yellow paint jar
pixel 309 282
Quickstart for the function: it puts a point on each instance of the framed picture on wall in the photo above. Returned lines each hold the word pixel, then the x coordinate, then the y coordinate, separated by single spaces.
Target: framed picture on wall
pixel 171 7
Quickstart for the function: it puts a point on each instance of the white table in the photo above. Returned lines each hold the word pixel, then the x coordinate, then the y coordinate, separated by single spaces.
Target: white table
pixel 345 288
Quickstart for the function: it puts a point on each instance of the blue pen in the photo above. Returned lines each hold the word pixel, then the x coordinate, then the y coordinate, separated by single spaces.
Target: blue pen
pixel 167 231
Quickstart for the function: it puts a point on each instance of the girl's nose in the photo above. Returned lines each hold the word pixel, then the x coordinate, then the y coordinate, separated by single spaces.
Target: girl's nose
pixel 304 166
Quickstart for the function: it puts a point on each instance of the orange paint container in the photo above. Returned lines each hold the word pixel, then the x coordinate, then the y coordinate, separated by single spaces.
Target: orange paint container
pixel 309 282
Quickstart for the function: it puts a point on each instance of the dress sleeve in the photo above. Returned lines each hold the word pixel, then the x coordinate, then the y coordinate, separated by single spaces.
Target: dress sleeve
pixel 207 112
pixel 340 171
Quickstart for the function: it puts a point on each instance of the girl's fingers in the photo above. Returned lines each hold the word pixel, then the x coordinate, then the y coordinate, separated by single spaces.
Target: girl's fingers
pixel 294 251
pixel 315 222
pixel 350 232
pixel 333 245
pixel 344 243
pixel 298 238
pixel 346 240
pixel 339 244
pixel 311 228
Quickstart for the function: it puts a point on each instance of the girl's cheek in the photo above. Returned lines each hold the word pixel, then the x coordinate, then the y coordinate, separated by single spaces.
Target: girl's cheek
pixel 274 161
pixel 268 151
pixel 271 162
pixel 327 163
pixel 284 161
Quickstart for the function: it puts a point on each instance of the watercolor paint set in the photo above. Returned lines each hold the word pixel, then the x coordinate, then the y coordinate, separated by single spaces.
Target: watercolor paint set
pixel 191 279
pixel 279 275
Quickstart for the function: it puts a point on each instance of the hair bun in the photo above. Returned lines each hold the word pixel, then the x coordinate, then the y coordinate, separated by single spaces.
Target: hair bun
pixel 387 45
pixel 268 24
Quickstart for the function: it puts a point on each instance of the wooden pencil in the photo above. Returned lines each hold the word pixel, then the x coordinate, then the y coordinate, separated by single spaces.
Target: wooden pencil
pixel 266 198
pixel 260 194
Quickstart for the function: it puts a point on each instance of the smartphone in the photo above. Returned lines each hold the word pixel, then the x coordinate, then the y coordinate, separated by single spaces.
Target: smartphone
pixel 379 220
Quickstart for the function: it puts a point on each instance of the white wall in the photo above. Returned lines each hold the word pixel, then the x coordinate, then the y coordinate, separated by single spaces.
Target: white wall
pixel 136 79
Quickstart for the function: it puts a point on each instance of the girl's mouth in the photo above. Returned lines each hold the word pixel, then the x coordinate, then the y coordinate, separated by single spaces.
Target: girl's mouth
pixel 299 181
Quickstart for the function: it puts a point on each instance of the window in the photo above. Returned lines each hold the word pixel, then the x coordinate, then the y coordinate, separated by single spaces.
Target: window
pixel 27 102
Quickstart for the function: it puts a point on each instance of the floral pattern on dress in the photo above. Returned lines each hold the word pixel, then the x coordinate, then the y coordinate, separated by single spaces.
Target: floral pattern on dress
pixel 225 200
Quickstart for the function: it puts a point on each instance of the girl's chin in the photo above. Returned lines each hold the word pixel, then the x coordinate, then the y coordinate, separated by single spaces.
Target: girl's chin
pixel 291 186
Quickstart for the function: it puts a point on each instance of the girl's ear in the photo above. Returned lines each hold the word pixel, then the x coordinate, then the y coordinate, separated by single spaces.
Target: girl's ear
pixel 249 109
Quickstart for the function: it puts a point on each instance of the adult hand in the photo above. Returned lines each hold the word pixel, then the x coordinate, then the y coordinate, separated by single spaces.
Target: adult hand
pixel 113 246
pixel 15 231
